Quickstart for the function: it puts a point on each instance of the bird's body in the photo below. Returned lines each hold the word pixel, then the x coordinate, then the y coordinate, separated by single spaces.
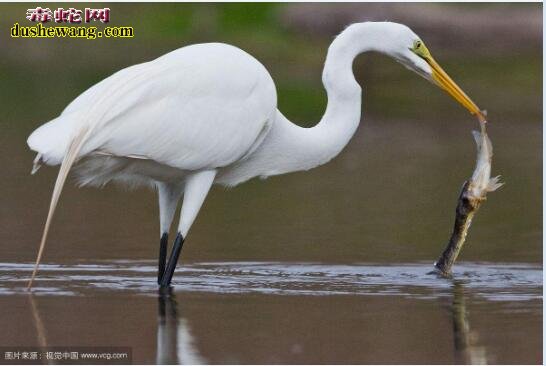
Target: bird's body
pixel 206 114
pixel 160 120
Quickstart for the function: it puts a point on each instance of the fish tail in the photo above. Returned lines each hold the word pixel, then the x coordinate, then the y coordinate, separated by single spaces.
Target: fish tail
pixel 494 184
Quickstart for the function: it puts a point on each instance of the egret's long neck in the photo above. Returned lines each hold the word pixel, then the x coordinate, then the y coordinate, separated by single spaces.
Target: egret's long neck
pixel 289 147
pixel 343 111
pixel 310 147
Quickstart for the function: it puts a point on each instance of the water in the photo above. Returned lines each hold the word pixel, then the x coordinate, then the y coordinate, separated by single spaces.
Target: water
pixel 490 282
pixel 271 312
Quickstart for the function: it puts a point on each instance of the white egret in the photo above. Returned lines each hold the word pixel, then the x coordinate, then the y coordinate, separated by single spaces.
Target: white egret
pixel 207 113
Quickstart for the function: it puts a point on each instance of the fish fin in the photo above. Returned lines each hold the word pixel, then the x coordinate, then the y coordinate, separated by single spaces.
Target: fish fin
pixel 477 138
pixel 494 184
pixel 68 161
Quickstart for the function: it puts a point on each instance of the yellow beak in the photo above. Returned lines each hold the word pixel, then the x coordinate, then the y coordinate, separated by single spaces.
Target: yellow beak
pixel 443 80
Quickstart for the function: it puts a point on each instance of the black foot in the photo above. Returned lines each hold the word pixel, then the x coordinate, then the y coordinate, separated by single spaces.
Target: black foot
pixel 171 266
pixel 162 256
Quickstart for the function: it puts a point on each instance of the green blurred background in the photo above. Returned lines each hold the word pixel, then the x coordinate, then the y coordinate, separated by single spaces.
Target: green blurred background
pixel 389 197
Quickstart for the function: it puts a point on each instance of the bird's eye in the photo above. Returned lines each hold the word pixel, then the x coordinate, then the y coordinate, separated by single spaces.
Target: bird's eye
pixel 417 44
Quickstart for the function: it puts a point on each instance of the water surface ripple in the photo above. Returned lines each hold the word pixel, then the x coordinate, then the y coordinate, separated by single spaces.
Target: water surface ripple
pixel 493 282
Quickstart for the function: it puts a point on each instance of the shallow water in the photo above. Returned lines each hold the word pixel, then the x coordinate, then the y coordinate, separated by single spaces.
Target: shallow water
pixel 268 312
pixel 491 282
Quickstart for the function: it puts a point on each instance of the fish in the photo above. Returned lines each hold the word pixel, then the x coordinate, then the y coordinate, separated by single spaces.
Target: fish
pixel 481 182
pixel 473 193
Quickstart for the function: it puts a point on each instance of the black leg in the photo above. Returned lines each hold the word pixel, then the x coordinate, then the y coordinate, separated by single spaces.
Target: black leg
pixel 162 256
pixel 173 259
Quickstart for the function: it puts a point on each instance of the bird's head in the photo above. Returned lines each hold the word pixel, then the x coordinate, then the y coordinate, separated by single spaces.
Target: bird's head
pixel 408 49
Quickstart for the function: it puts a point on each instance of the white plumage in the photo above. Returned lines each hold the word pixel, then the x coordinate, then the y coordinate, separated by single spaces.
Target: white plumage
pixel 205 114
pixel 200 107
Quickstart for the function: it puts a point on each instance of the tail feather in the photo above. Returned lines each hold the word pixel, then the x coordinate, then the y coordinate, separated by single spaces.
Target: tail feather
pixel 52 139
pixel 68 161
pixel 37 163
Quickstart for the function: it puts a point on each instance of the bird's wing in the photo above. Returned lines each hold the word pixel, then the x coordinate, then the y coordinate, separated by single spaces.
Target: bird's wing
pixel 199 107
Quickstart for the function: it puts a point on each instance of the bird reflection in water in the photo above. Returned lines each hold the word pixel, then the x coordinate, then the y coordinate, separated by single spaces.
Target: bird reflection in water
pixel 38 324
pixel 175 344
pixel 467 350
